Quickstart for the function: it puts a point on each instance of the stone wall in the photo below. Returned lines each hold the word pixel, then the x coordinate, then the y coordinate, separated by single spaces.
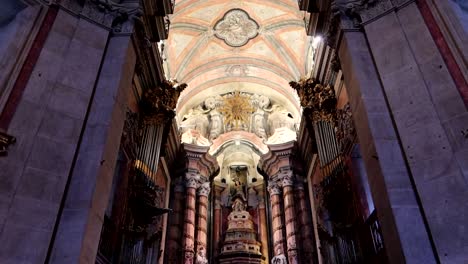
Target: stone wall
pixel 68 123
pixel 410 119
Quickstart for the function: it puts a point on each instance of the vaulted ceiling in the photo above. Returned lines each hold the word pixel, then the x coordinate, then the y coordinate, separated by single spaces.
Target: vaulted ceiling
pixel 217 46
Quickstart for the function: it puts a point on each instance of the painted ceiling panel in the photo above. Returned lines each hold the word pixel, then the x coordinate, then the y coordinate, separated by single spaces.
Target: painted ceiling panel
pixel 213 42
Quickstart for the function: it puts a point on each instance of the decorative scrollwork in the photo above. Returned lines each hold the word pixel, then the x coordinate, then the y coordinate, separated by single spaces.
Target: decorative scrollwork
pixel 5 141
pixel 131 135
pixel 345 133
pixel 320 100
pixel 158 104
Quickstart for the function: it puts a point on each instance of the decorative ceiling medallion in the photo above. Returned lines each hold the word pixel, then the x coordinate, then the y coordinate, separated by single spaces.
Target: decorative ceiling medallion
pixel 236 28
pixel 236 110
pixel 237 70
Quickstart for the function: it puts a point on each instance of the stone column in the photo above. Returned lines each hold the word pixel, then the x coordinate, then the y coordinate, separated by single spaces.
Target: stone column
pixel 217 218
pixel 306 231
pixel 277 222
pixel 191 184
pixel 263 221
pixel 203 192
pixel 287 182
pixel 398 211
pixel 175 234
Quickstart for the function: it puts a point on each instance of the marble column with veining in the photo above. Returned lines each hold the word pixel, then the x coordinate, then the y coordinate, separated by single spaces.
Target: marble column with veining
pixel 203 192
pixel 175 232
pixel 287 182
pixel 277 221
pixel 191 184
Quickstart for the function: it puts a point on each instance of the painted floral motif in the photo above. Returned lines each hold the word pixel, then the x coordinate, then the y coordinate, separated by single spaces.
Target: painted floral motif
pixel 236 28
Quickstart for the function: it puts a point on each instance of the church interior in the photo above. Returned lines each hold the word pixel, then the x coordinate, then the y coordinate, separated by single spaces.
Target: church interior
pixel 233 131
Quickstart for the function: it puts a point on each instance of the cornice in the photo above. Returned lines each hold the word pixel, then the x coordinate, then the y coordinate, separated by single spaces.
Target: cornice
pixel 198 159
pixel 115 17
pixel 278 158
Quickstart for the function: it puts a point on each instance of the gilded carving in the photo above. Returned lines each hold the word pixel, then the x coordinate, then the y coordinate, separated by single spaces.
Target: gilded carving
pixel 254 113
pixel 316 98
pixel 236 28
pixel 158 103
pixel 236 109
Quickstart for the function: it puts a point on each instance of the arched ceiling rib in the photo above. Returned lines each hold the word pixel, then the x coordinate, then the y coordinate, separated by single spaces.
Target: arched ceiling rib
pixel 200 58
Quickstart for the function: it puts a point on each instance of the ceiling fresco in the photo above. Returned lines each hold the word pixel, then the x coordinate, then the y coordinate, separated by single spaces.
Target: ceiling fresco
pixel 221 46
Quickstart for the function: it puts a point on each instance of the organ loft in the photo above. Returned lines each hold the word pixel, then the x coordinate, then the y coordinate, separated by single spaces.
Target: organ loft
pixel 233 131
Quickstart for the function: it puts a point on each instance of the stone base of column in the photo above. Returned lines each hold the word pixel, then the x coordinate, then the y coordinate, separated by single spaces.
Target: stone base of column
pixel 188 256
pixel 293 256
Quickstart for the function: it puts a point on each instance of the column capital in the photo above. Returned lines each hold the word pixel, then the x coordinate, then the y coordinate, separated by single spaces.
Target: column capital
pixel 192 179
pixel 299 186
pixel 204 189
pixel 108 14
pixel 286 178
pixel 273 188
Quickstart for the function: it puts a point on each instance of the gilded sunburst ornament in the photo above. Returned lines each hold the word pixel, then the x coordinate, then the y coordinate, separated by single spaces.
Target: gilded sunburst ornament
pixel 236 109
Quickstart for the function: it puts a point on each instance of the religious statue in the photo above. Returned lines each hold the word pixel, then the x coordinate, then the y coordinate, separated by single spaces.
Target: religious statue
pixel 258 118
pixel 201 257
pixel 238 205
pixel 195 119
pixel 280 117
pixel 216 127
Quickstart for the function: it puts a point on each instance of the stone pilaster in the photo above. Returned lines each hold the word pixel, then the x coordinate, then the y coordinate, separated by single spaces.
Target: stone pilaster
pixel 287 183
pixel 191 185
pixel 263 221
pixel 217 222
pixel 277 221
pixel 203 193
pixel 305 223
pixel 175 232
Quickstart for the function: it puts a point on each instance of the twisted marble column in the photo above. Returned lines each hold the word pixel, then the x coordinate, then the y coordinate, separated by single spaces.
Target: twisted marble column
pixel 191 184
pixel 203 192
pixel 277 222
pixel 175 232
pixel 290 217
